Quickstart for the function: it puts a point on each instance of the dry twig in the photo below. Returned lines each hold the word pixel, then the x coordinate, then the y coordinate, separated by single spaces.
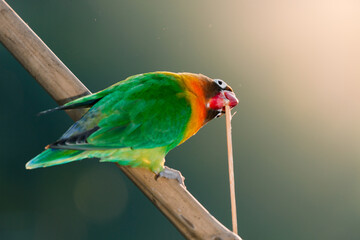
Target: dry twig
pixel 231 168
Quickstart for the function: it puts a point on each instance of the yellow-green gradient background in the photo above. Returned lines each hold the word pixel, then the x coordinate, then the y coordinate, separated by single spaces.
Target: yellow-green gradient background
pixel 295 67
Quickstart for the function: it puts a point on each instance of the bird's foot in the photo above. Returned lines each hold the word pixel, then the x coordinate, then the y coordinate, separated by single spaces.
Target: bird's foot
pixel 170 173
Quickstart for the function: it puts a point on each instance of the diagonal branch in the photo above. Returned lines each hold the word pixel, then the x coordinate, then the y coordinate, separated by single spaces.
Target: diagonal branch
pixel 172 199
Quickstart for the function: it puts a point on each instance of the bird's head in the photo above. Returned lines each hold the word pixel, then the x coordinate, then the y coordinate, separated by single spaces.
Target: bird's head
pixel 212 94
pixel 219 95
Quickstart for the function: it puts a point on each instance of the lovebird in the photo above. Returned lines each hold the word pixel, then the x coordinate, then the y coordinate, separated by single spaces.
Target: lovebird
pixel 137 121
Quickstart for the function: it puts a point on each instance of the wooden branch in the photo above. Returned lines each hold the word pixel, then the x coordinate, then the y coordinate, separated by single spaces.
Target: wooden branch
pixel 172 199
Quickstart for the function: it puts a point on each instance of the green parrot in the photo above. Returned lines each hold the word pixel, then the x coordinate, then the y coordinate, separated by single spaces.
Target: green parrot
pixel 137 121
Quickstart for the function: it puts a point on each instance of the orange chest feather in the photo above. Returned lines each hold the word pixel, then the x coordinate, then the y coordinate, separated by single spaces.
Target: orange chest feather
pixel 198 110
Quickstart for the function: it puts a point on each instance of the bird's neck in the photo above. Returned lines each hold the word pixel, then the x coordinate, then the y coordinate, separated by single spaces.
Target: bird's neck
pixel 194 86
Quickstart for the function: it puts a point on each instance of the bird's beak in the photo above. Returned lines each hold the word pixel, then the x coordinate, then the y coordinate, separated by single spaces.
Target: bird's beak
pixel 223 98
pixel 230 96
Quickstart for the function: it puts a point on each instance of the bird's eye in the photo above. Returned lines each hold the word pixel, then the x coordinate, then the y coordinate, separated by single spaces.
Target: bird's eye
pixel 220 83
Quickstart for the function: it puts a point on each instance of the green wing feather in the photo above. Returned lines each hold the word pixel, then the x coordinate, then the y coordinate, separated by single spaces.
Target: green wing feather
pixel 132 122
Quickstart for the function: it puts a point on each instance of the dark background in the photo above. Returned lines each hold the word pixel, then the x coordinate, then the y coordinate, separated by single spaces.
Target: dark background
pixel 295 68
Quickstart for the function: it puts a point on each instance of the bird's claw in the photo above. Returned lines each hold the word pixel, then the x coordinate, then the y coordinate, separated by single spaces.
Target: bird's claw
pixel 170 173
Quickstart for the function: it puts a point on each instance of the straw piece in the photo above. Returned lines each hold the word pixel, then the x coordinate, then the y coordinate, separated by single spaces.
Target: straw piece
pixel 231 169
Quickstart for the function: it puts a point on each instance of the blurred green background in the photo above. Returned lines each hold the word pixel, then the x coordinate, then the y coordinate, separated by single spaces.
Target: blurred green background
pixel 295 68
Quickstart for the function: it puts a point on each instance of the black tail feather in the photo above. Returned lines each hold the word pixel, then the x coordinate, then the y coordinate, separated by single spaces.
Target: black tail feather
pixel 72 106
pixel 50 110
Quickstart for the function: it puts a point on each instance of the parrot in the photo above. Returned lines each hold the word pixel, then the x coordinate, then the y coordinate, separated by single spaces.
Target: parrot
pixel 137 121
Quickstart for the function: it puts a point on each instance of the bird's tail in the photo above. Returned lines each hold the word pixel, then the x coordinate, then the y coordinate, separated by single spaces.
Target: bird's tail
pixel 152 158
pixel 51 157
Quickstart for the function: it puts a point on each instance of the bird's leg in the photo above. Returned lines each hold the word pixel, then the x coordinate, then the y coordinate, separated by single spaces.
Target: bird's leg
pixel 170 173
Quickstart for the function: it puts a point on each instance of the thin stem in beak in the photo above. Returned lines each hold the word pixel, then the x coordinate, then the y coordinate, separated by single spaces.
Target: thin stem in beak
pixel 231 168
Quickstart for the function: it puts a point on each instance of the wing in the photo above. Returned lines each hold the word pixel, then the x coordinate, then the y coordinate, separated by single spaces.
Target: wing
pixel 150 110
pixel 80 130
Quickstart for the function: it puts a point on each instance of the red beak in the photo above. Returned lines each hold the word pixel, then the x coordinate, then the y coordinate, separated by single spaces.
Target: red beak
pixel 233 101
pixel 223 98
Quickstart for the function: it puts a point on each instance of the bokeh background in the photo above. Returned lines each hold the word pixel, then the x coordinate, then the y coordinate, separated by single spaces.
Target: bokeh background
pixel 295 66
